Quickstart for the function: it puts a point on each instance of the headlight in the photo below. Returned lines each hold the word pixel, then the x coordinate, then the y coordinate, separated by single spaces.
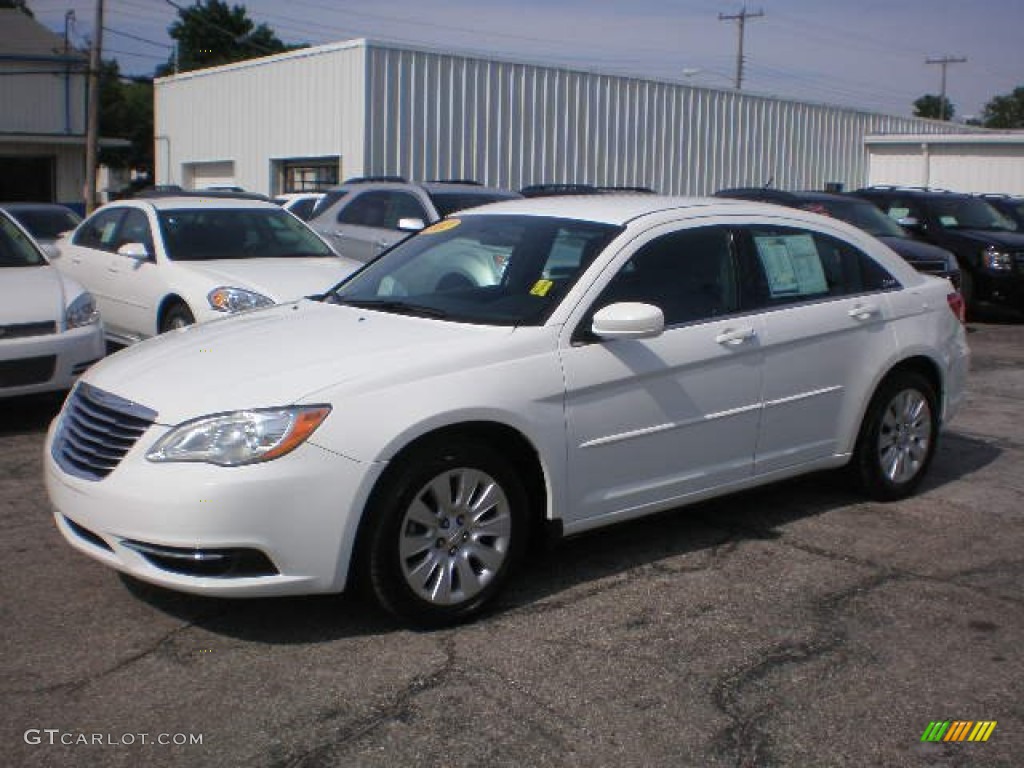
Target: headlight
pixel 82 311
pixel 224 299
pixel 996 260
pixel 241 437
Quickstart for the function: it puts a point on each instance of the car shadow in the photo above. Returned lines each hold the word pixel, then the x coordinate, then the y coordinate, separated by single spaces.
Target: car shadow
pixel 590 558
pixel 29 414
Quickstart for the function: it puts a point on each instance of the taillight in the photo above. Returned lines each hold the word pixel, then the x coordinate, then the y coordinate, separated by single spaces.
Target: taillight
pixel 957 305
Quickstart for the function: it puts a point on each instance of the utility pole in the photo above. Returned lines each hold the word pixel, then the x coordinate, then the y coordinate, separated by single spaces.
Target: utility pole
pixel 740 17
pixel 944 62
pixel 92 128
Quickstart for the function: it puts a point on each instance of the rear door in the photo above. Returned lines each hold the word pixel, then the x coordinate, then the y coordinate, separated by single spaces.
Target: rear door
pixel 87 256
pixel 826 334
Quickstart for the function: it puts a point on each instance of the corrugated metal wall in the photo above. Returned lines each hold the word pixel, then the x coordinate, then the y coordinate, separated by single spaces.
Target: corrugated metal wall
pixel 992 164
pixel 303 104
pixel 434 115
pixel 48 102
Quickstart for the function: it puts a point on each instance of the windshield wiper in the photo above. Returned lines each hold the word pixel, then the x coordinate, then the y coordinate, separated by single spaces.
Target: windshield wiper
pixel 391 305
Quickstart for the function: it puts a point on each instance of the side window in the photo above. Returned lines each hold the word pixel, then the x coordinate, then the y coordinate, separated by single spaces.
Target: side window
pixel 369 209
pixel 691 275
pixel 794 265
pixel 404 206
pixel 135 229
pixel 99 231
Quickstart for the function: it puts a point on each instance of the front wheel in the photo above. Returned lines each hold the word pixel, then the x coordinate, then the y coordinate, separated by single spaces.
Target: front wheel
pixel 898 437
pixel 445 532
pixel 178 315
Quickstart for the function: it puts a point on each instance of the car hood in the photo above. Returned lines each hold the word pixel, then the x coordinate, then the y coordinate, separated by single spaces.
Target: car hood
pixel 285 354
pixel 278 279
pixel 915 250
pixel 1005 239
pixel 32 295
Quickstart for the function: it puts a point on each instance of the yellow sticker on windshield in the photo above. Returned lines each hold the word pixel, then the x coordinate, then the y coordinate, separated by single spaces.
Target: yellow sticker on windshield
pixel 441 226
pixel 541 288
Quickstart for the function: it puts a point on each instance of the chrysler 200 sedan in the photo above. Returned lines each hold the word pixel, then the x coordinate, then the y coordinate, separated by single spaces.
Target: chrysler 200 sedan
pixel 409 433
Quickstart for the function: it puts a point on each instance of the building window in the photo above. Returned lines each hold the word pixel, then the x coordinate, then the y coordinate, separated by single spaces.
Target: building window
pixel 307 176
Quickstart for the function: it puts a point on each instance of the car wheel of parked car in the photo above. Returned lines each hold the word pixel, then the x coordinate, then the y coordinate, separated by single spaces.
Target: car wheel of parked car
pixel 445 532
pixel 178 315
pixel 897 439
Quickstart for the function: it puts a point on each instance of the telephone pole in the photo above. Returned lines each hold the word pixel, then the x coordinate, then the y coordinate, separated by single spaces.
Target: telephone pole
pixel 92 128
pixel 944 62
pixel 740 17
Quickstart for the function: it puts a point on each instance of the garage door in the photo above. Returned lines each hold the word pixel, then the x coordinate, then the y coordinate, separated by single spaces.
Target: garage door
pixel 203 175
pixel 27 178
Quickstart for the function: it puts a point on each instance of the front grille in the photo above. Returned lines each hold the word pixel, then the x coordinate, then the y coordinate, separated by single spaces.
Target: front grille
pixel 24 330
pixel 27 370
pixel 1018 257
pixel 96 430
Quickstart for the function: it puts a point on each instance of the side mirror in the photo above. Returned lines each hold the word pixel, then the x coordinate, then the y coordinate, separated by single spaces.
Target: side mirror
pixel 628 320
pixel 912 223
pixel 136 251
pixel 411 225
pixel 50 251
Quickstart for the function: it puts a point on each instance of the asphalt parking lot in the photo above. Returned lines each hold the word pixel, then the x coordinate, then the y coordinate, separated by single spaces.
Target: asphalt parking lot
pixel 793 626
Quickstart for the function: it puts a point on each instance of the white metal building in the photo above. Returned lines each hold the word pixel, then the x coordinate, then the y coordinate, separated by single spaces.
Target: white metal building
pixel 989 162
pixel 312 117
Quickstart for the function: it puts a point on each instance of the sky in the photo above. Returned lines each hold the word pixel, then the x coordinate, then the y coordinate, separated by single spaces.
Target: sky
pixel 865 54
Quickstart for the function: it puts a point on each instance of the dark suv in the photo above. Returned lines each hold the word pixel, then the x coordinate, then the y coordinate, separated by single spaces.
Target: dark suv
pixel 990 252
pixel 1011 206
pixel 367 215
pixel 863 215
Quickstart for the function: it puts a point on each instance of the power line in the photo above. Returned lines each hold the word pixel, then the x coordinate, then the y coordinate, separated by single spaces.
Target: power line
pixel 944 62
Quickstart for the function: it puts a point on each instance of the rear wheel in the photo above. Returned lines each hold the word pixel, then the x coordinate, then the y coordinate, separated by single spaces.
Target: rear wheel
pixel 177 315
pixel 445 532
pixel 898 437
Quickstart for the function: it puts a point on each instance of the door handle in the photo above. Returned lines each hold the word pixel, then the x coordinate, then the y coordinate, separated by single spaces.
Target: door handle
pixel 863 311
pixel 735 336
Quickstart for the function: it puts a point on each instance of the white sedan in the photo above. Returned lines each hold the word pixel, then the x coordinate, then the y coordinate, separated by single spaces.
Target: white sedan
pixel 632 354
pixel 163 263
pixel 50 331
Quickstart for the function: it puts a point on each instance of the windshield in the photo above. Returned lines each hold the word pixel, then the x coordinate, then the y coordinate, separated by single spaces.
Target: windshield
pixel 448 203
pixel 46 223
pixel 495 270
pixel 969 213
pixel 862 215
pixel 203 234
pixel 16 249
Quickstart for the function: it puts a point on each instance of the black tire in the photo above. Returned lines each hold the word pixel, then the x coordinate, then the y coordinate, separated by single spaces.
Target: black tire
pixel 968 293
pixel 434 561
pixel 897 438
pixel 177 315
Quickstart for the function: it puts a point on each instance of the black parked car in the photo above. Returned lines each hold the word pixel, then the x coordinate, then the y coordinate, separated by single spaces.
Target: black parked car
pixel 860 213
pixel 988 248
pixel 1011 206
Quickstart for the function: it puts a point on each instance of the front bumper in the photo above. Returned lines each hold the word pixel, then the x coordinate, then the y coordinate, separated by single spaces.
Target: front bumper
pixel 49 363
pixel 277 528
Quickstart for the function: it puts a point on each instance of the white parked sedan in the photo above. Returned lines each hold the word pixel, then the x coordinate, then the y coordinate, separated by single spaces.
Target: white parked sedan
pixel 163 263
pixel 633 354
pixel 50 331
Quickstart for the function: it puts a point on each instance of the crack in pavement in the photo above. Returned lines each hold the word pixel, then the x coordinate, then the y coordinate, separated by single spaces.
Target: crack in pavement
pixel 399 709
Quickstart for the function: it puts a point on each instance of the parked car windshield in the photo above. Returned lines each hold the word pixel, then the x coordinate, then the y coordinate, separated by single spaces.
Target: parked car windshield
pixel 487 269
pixel 862 215
pixel 47 223
pixel 969 213
pixel 16 249
pixel 202 234
pixel 448 203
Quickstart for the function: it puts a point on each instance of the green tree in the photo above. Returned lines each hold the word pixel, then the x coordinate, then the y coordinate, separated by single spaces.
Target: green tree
pixel 211 33
pixel 1006 112
pixel 126 112
pixel 934 107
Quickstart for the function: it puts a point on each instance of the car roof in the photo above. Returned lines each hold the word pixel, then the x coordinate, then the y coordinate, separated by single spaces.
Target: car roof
pixel 909 191
pixel 618 209
pixel 194 201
